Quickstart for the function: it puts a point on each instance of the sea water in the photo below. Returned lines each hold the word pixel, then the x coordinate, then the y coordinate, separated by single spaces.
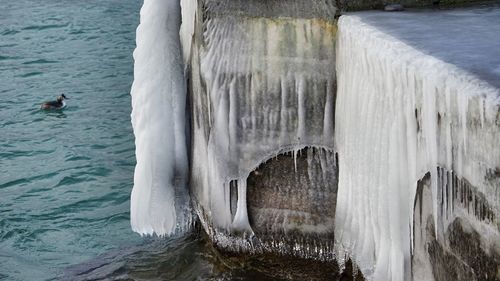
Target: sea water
pixel 66 176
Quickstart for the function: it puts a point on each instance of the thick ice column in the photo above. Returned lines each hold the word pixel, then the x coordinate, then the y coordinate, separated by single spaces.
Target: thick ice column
pixel 401 114
pixel 159 203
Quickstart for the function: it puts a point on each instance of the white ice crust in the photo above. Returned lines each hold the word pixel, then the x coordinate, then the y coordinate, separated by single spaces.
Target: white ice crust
pixel 400 114
pixel 189 11
pixel 159 200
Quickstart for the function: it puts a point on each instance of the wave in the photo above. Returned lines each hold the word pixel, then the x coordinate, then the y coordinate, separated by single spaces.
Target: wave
pixel 40 61
pixel 43 27
pixel 30 74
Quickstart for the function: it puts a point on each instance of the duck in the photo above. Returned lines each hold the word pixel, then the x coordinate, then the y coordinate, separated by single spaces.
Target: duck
pixel 57 104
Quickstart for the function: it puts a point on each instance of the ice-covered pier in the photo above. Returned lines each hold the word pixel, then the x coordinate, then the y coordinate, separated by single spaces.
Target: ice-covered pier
pixel 372 136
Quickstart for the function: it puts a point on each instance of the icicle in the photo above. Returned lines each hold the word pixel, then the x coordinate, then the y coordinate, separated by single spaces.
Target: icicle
pixel 188 10
pixel 295 160
pixel 463 106
pixel 240 222
pixel 301 116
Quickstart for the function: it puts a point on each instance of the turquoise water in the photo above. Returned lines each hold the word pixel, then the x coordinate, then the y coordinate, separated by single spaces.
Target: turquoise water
pixel 66 176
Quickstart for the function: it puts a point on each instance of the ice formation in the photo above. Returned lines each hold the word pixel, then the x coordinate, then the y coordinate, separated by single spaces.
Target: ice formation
pixel 261 87
pixel 268 89
pixel 401 114
pixel 159 200
pixel 189 10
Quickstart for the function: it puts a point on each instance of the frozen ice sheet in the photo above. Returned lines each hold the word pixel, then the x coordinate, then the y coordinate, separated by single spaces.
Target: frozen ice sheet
pixel 468 38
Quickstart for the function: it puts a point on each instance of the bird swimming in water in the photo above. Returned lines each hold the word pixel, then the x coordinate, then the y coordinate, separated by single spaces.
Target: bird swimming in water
pixel 58 104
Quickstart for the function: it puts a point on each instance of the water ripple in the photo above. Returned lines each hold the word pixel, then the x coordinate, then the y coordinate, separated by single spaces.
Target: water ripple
pixel 65 175
pixel 39 61
pixel 30 74
pixel 42 27
pixel 9 32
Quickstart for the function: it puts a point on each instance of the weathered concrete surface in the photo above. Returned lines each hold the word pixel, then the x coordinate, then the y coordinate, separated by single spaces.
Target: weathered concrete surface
pixel 276 267
pixel 292 200
pixel 295 9
pixel 294 193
